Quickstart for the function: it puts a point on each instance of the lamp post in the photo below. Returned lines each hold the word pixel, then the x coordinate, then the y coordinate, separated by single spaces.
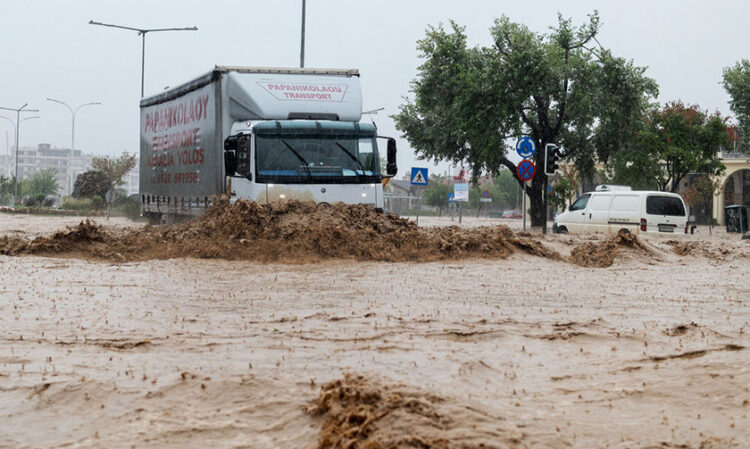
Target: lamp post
pixel 302 38
pixel 18 123
pixel 142 32
pixel 72 136
pixel 7 146
pixel 373 111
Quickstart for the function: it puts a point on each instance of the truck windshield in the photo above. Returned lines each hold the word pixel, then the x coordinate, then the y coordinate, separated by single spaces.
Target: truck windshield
pixel 295 158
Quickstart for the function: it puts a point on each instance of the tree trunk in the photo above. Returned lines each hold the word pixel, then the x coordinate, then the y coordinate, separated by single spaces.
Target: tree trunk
pixel 537 205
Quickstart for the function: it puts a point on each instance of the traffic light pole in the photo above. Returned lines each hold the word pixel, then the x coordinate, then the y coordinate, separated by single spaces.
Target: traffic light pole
pixel 546 182
pixel 550 166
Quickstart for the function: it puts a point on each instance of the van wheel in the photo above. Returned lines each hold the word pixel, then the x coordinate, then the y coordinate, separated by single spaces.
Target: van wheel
pixel 562 230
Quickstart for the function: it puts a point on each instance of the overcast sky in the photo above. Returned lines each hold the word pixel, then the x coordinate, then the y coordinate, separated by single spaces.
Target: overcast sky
pixel 49 50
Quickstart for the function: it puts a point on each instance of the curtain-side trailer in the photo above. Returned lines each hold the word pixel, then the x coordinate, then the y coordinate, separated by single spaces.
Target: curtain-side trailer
pixel 264 134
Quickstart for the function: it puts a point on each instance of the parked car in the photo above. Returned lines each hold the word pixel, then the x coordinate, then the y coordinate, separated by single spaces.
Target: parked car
pixel 512 214
pixel 635 211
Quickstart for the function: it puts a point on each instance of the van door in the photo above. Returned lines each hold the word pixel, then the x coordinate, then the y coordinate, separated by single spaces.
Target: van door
pixel 597 212
pixel 665 213
pixel 624 212
pixel 578 215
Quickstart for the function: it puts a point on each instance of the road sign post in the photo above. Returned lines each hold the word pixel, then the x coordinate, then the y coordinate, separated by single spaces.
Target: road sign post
pixel 109 197
pixel 419 178
pixel 460 195
pixel 525 147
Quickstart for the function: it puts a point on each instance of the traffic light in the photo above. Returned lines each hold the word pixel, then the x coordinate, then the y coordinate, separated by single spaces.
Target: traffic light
pixel 551 156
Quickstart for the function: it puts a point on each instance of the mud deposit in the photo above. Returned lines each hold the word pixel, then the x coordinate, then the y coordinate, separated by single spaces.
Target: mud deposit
pixel 602 254
pixel 363 414
pixel 291 232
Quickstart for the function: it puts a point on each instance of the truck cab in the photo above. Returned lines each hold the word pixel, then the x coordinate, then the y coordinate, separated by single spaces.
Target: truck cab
pixel 309 160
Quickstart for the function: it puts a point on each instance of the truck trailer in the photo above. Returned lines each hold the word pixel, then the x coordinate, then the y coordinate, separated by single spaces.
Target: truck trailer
pixel 263 134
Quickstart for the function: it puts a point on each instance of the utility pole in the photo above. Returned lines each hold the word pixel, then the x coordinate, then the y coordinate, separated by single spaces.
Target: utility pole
pixel 302 46
pixel 18 123
pixel 142 32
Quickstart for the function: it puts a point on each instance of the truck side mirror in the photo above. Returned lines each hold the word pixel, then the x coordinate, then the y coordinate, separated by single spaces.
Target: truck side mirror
pixel 230 163
pixel 237 156
pixel 391 169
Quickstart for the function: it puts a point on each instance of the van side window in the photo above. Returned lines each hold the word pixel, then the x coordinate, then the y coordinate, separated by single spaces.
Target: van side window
pixel 664 205
pixel 580 203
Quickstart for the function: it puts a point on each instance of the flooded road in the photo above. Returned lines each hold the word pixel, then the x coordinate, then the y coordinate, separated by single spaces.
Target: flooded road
pixel 519 352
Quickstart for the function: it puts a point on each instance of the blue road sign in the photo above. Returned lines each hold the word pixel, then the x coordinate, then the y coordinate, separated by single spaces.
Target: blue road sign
pixel 525 147
pixel 526 170
pixel 418 176
pixel 451 197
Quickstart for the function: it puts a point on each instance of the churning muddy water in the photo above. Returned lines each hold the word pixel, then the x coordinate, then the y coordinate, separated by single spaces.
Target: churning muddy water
pixel 508 341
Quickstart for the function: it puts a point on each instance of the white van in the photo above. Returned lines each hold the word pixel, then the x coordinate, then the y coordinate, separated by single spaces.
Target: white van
pixel 636 211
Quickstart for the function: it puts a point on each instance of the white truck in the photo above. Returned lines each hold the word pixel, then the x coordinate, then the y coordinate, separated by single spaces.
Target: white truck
pixel 264 134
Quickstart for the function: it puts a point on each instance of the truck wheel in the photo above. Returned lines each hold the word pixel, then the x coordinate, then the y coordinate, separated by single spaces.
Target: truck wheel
pixel 153 219
pixel 562 230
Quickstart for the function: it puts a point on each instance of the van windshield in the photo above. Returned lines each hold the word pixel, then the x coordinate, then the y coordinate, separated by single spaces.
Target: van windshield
pixel 580 203
pixel 665 205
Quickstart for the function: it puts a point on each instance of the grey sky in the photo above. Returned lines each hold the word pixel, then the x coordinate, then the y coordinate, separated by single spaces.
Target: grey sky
pixel 50 50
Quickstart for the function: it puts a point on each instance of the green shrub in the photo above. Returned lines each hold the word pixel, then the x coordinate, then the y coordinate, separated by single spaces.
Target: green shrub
pixel 97 202
pixel 82 204
pixel 130 207
pixel 48 202
pixel 29 201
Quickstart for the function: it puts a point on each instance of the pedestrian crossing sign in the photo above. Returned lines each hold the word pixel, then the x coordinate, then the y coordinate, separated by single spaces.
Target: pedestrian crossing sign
pixel 418 176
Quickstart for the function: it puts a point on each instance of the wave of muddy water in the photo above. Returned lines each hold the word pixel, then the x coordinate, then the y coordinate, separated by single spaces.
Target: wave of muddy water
pixel 520 351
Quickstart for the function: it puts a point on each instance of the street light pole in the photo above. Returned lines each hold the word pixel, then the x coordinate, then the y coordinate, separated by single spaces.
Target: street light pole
pixel 142 32
pixel 7 145
pixel 18 123
pixel 73 113
pixel 302 39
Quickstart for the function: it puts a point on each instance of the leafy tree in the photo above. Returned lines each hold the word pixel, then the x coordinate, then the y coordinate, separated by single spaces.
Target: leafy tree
pixel 564 189
pixel 114 169
pixel 42 183
pixel 6 188
pixel 91 183
pixel 505 190
pixel 436 194
pixel 737 85
pixel 700 192
pixel 675 140
pixel 555 87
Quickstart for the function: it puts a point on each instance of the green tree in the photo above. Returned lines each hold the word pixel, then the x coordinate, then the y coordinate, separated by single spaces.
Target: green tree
pixel 564 189
pixel 6 188
pixel 90 184
pixel 436 194
pixel 555 87
pixel 675 140
pixel 506 191
pixel 114 169
pixel 737 85
pixel 42 183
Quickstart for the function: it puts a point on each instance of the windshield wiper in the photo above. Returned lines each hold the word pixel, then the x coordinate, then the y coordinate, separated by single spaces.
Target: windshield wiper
pixel 304 162
pixel 352 157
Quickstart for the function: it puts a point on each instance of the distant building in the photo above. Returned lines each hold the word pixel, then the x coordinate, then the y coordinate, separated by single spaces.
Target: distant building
pixel 132 179
pixel 68 164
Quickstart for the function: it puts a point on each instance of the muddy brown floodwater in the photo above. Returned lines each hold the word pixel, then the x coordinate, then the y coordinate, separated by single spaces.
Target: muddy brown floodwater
pixel 503 339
